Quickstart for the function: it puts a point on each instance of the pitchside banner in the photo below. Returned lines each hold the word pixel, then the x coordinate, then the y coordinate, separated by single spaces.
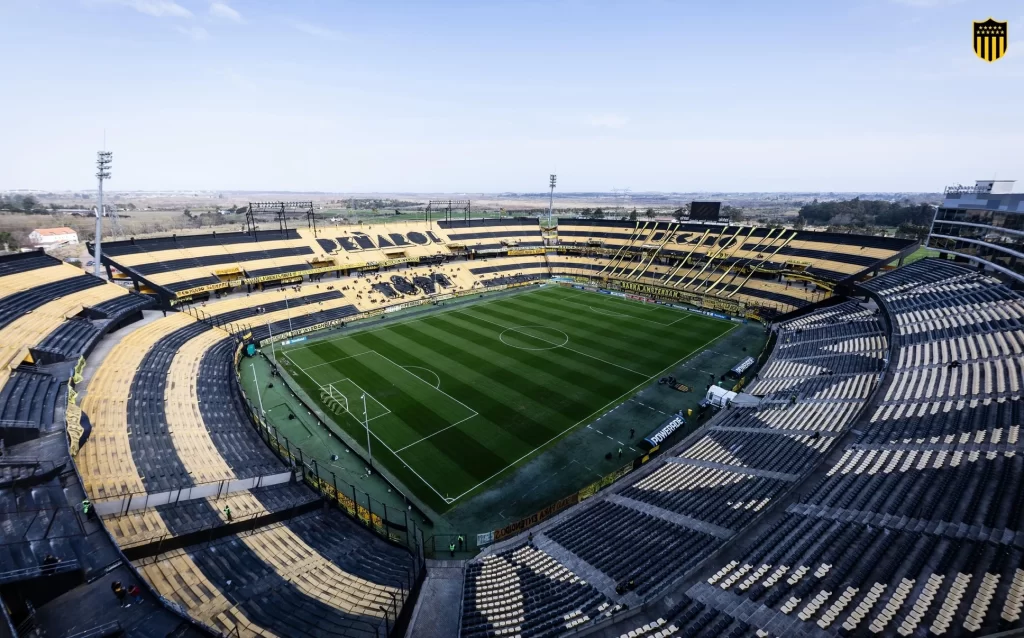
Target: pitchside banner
pixel 537 517
pixel 663 433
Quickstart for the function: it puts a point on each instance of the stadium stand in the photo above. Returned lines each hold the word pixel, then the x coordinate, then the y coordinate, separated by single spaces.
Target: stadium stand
pixel 525 592
pixel 776 270
pixel 178 423
pixel 914 530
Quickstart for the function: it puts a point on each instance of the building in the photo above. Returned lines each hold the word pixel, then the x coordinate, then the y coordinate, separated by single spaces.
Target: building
pixel 53 237
pixel 982 224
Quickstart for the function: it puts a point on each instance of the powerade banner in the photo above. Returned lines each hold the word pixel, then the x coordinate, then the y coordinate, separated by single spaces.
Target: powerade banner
pixel 526 251
pixel 658 437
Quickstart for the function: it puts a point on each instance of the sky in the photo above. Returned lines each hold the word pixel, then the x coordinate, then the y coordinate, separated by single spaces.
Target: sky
pixel 492 96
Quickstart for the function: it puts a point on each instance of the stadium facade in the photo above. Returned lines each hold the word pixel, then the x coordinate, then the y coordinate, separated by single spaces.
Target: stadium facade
pixel 983 224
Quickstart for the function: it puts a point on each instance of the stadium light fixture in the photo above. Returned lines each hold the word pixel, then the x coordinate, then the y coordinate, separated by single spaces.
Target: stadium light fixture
pixel 103 161
pixel 551 198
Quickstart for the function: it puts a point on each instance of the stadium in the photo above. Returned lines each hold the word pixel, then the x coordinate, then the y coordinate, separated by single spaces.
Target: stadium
pixel 453 426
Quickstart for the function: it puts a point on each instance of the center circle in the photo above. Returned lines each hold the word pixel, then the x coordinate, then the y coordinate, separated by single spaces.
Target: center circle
pixel 533 338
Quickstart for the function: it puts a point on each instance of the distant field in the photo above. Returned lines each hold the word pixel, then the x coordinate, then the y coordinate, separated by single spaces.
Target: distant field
pixel 455 399
pixel 921 253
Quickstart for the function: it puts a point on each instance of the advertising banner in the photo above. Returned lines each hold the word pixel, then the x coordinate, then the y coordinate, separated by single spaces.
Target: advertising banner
pixel 656 439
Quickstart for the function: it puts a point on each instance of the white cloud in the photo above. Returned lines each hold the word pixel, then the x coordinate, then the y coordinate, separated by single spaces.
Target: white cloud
pixel 314 30
pixel 156 8
pixel 608 120
pixel 222 10
pixel 196 33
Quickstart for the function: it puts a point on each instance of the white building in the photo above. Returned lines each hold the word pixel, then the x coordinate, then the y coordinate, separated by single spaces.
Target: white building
pixel 53 237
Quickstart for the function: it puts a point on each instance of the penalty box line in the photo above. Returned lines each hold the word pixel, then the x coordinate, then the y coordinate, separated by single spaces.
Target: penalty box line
pixel 446 499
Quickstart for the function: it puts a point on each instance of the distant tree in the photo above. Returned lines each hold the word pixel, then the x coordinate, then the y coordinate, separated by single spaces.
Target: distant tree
pixel 650 212
pixel 632 216
pixel 7 241
pixel 732 213
pixel 912 230
pixel 598 213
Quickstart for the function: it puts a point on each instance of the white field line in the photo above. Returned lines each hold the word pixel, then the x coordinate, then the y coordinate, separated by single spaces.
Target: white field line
pixel 589 416
pixel 638 305
pixel 612 313
pixel 436 385
pixel 427 383
pixel 313 344
pixel 646 305
pixel 351 356
pixel 518 328
pixel 387 410
pixel 444 498
pixel 435 433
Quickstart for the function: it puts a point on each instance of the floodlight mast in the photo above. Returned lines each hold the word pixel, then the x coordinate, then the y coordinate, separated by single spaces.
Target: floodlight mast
pixel 103 161
pixel 551 198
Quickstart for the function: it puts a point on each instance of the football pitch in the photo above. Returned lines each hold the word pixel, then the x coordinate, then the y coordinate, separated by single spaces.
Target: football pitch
pixel 456 398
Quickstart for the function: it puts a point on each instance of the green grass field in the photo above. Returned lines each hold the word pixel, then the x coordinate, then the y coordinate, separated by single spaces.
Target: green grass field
pixel 457 398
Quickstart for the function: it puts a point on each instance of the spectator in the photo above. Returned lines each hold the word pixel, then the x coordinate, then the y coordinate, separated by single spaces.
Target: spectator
pixel 50 563
pixel 120 592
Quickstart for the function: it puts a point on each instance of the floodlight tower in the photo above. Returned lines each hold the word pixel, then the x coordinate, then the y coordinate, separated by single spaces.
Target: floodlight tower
pixel 551 197
pixel 103 161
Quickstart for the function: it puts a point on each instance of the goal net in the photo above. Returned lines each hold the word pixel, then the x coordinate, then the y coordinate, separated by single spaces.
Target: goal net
pixel 334 399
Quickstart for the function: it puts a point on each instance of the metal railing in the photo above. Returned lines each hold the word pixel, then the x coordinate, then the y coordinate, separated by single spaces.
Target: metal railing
pixel 122 502
pixel 15 575
pixel 106 629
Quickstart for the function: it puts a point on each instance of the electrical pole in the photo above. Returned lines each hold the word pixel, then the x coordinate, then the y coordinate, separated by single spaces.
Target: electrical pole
pixel 103 161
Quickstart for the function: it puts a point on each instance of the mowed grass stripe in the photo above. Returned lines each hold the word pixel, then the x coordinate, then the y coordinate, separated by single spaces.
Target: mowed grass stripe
pixel 551 367
pixel 611 303
pixel 623 337
pixel 417 348
pixel 638 353
pixel 680 320
pixel 482 375
pixel 464 382
pixel 540 392
pixel 614 307
pixel 655 316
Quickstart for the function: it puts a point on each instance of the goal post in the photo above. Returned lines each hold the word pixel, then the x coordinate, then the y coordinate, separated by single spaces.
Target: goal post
pixel 334 398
